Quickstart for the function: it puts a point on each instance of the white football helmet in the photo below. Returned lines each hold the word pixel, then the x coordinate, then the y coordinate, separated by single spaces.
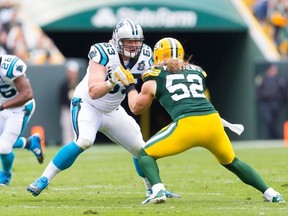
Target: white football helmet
pixel 126 29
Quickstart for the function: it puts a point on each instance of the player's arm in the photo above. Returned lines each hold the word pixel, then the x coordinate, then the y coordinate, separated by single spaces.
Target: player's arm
pixel 138 103
pixel 97 86
pixel 25 93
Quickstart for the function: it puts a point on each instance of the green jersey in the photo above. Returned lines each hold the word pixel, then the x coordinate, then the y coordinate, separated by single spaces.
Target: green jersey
pixel 182 93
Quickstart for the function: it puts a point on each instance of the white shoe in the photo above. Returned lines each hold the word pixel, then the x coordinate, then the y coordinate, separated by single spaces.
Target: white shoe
pixel 168 194
pixel 270 195
pixel 159 197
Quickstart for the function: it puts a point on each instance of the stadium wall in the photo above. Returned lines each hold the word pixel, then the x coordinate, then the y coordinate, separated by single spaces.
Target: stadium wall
pixel 225 40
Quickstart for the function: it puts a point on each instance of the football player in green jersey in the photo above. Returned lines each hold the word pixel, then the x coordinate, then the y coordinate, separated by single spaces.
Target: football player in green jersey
pixel 179 86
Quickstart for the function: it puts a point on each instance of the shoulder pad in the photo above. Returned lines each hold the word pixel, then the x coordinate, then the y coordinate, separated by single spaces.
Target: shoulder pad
pixel 204 73
pixel 152 72
pixel 102 52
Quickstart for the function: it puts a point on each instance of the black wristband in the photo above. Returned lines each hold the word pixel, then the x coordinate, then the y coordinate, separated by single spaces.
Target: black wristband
pixel 130 88
pixel 1 107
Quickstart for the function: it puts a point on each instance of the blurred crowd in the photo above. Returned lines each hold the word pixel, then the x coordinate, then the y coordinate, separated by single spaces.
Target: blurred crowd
pixel 19 36
pixel 273 16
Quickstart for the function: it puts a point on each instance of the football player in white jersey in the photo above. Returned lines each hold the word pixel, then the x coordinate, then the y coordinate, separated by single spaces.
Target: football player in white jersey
pixel 16 108
pixel 96 105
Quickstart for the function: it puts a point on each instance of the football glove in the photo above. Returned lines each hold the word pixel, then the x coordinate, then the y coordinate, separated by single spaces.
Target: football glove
pixel 112 79
pixel 124 76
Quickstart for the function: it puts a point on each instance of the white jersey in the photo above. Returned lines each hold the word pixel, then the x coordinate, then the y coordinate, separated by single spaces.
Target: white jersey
pixel 12 120
pixel 107 55
pixel 11 67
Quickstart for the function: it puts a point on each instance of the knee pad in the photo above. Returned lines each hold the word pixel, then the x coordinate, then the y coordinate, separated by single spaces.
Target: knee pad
pixel 84 143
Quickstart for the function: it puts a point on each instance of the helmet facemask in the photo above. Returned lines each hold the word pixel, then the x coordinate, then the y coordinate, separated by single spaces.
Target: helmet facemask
pixel 127 30
pixel 130 51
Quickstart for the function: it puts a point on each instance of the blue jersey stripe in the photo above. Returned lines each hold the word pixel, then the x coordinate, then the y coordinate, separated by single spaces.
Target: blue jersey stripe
pixel 10 69
pixel 28 109
pixel 150 61
pixel 75 112
pixel 104 57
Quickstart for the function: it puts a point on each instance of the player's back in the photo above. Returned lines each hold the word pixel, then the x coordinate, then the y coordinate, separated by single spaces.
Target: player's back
pixel 182 93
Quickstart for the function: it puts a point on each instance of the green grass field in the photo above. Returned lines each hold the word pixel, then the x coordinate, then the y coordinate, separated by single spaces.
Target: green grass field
pixel 103 181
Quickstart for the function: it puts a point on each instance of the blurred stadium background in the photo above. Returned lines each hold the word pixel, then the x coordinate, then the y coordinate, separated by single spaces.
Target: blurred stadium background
pixel 223 36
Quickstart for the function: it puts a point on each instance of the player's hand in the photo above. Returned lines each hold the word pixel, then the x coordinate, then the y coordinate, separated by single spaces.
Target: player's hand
pixel 112 79
pixel 124 76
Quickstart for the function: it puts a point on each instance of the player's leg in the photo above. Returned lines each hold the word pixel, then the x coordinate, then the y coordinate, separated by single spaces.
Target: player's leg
pixel 162 144
pixel 150 167
pixel 32 143
pixel 7 156
pixel 249 176
pixel 122 129
pixel 222 148
pixel 10 127
pixel 85 124
pixel 141 174
pixel 147 184
pixel 126 132
pixel 85 130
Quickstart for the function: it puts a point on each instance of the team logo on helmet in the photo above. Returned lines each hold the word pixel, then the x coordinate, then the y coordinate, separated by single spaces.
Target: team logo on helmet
pixel 157 45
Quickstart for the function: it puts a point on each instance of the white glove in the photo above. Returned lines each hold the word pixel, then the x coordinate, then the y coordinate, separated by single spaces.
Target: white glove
pixel 112 79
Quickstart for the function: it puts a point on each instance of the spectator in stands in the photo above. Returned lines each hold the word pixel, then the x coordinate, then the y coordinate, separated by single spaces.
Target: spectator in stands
pixel 17 43
pixel 3 42
pixel 2 51
pixel 270 90
pixel 66 92
pixel 260 9
pixel 45 51
pixel 24 39
pixel 278 15
pixel 8 11
pixel 286 97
